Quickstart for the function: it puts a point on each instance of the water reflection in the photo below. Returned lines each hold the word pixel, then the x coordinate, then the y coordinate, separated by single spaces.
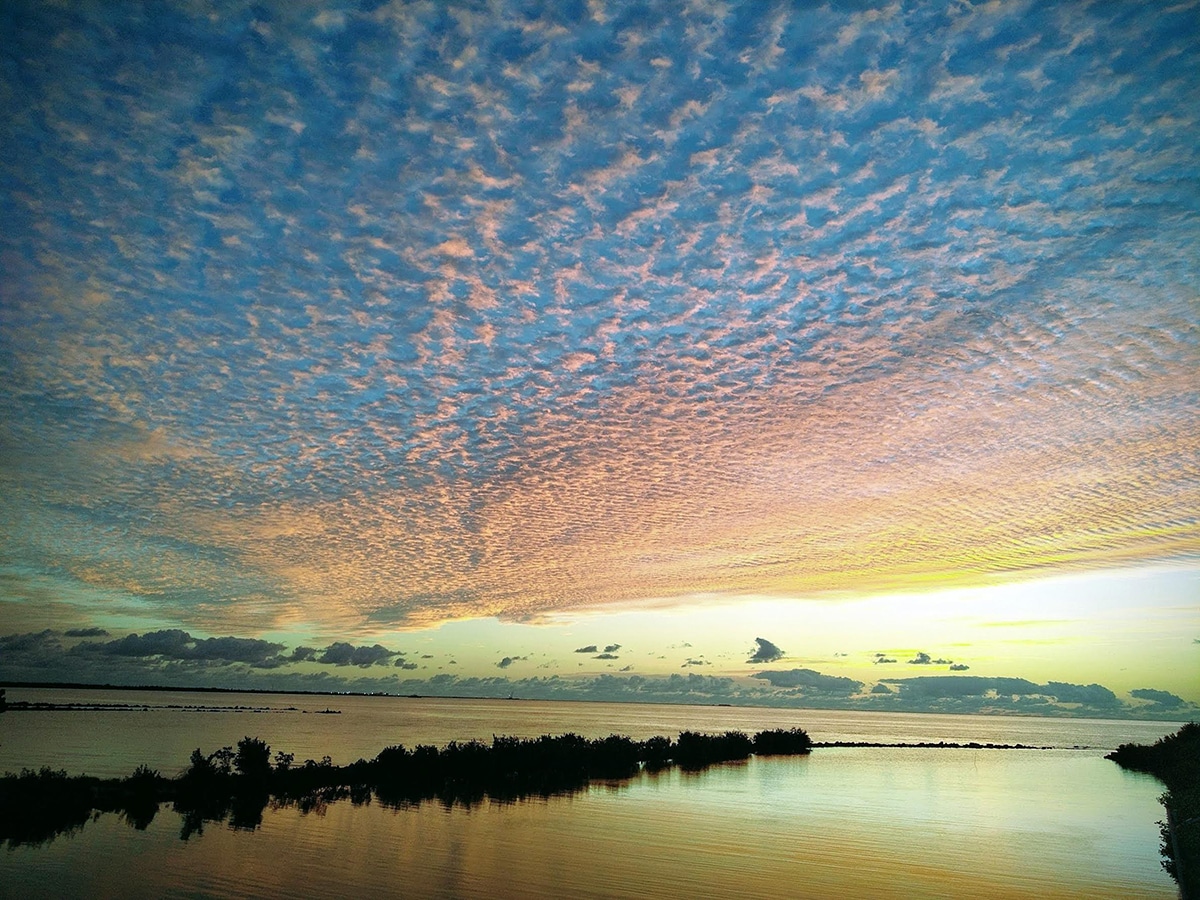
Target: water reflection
pixel 237 786
pixel 838 823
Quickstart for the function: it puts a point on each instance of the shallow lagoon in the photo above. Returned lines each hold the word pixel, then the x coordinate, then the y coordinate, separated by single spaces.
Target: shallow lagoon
pixel 840 823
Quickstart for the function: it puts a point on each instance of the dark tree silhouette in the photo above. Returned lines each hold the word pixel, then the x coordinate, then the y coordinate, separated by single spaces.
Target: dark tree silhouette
pixel 235 786
pixel 1175 761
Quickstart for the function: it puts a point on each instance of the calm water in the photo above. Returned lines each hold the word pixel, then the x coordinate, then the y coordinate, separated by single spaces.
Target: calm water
pixel 841 823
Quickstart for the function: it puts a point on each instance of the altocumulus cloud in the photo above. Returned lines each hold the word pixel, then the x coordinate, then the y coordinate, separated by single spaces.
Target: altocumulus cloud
pixel 790 245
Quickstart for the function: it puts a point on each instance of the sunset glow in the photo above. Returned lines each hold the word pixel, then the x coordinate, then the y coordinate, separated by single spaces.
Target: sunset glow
pixel 479 333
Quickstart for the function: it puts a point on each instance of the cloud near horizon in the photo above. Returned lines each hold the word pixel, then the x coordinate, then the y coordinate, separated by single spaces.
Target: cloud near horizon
pixel 169 660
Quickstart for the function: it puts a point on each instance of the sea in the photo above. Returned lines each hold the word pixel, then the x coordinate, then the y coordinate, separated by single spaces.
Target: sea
pixel 879 822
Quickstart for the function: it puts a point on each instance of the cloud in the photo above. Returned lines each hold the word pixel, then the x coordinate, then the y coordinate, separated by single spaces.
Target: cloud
pixel 590 648
pixel 765 652
pixel 880 659
pixel 695 662
pixel 612 648
pixel 42 656
pixel 963 686
pixel 341 653
pixel 1088 694
pixel 1163 698
pixel 606 656
pixel 174 643
pixel 959 667
pixel 998 693
pixel 33 648
pixel 810 679
pixel 620 294
pixel 86 632
pixel 924 659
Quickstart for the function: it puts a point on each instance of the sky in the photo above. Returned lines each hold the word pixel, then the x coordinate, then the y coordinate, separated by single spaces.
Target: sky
pixel 775 353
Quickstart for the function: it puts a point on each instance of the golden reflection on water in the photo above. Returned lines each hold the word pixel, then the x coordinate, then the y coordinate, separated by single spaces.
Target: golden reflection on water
pixel 847 823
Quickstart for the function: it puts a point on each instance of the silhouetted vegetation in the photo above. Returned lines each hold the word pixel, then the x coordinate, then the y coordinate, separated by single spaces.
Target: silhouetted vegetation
pixel 1175 761
pixel 234 786
pixel 782 742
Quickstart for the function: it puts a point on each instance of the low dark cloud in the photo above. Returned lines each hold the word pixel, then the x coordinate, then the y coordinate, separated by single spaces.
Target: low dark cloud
pixel 30 640
pixel 33 649
pixel 811 680
pixel 1164 698
pixel 174 643
pixel 880 659
pixel 606 656
pixel 590 648
pixel 173 658
pixel 42 656
pixel 942 687
pixel 612 648
pixel 86 632
pixel 945 686
pixel 340 653
pixel 766 652
pixel 1087 694
pixel 959 667
pixel 235 649
pixel 924 659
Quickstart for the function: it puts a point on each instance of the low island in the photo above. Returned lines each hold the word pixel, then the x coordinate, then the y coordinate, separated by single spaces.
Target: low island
pixel 235 785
